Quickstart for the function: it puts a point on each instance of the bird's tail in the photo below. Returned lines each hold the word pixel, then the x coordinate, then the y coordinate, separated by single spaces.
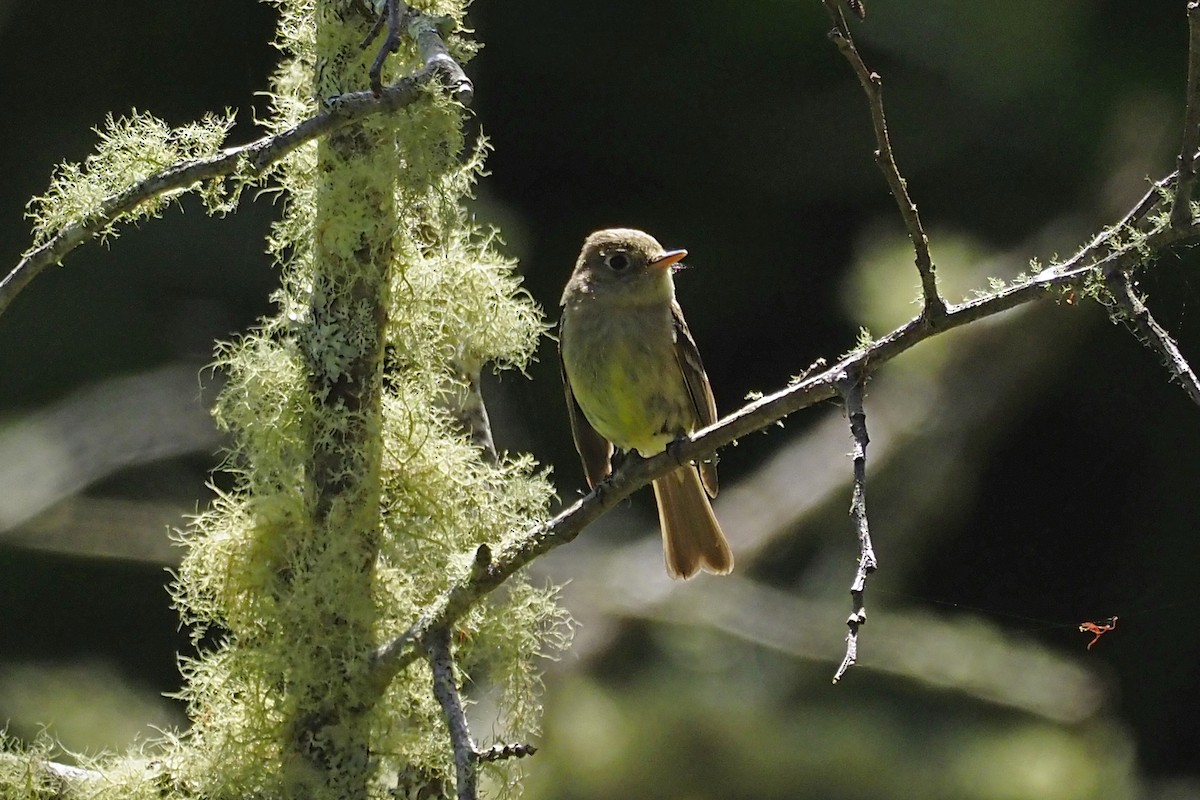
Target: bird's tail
pixel 692 537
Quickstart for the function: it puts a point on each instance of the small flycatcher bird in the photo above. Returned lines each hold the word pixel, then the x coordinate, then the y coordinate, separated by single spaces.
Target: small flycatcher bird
pixel 634 380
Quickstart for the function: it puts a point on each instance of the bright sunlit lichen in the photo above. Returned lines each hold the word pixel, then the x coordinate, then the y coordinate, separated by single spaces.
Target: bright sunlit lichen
pixel 357 494
pixel 338 479
pixel 131 149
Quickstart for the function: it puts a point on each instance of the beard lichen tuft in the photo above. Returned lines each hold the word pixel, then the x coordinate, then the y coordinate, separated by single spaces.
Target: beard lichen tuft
pixel 358 498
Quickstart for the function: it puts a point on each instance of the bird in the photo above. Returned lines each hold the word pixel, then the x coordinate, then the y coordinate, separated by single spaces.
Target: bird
pixel 634 381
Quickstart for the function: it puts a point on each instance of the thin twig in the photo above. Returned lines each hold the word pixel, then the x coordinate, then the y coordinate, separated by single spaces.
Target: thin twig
pixel 1102 243
pixel 872 85
pixel 635 473
pixel 850 386
pixel 503 752
pixel 445 689
pixel 1151 334
pixel 390 16
pixel 245 160
pixel 1181 208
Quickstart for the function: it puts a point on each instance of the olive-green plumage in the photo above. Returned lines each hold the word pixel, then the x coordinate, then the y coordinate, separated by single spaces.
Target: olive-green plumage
pixel 634 380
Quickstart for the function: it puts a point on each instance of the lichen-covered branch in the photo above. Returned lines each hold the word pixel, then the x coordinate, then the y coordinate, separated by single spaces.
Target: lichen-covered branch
pixel 354 487
pixel 49 779
pixel 243 163
pixel 428 32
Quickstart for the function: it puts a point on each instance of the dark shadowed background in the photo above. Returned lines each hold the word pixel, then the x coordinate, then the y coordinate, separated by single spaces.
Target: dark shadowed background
pixel 1029 473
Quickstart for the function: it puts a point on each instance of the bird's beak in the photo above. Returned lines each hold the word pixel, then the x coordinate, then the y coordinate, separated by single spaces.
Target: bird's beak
pixel 669 258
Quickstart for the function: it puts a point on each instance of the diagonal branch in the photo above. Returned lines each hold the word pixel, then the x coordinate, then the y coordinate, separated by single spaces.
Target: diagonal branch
pixel 850 386
pixel 445 689
pixel 872 85
pixel 1150 333
pixel 1181 208
pixel 490 571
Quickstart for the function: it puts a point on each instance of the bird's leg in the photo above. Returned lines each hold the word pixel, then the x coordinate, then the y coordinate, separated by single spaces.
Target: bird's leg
pixel 673 449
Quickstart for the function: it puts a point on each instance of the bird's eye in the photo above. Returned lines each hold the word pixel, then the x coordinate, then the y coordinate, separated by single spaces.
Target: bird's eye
pixel 617 262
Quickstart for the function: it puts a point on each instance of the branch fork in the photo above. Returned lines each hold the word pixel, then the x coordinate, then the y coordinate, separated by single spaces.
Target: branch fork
pixel 467 756
pixel 428 32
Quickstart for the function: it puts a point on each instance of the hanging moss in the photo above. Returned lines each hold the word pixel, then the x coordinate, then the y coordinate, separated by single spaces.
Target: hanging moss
pixel 357 497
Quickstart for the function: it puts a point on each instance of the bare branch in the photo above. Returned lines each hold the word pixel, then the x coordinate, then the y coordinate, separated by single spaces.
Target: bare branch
pixel 503 752
pixel 1151 334
pixel 872 85
pixel 850 386
pixel 858 7
pixel 445 689
pixel 1181 208
pixel 389 17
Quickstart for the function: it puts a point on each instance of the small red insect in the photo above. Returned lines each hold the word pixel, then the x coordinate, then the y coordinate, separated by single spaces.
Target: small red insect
pixel 1098 628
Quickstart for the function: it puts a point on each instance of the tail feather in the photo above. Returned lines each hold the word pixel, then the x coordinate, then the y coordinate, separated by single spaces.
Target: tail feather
pixel 692 537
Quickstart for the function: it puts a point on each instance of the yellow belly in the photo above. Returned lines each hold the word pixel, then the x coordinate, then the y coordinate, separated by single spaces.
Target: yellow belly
pixel 625 376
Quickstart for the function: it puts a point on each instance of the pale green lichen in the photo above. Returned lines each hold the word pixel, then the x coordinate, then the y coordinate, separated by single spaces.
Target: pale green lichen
pixel 22 769
pixel 258 571
pixel 349 511
pixel 131 149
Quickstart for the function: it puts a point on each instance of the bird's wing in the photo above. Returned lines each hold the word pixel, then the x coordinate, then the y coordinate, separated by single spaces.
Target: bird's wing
pixel 698 387
pixel 594 450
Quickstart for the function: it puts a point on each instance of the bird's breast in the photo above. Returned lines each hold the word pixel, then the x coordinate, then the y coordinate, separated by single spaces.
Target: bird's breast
pixel 623 372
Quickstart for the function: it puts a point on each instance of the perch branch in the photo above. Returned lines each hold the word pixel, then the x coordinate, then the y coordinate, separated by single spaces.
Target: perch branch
pixel 445 689
pixel 1150 333
pixel 1181 207
pixel 488 573
pixel 872 85
pixel 850 386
